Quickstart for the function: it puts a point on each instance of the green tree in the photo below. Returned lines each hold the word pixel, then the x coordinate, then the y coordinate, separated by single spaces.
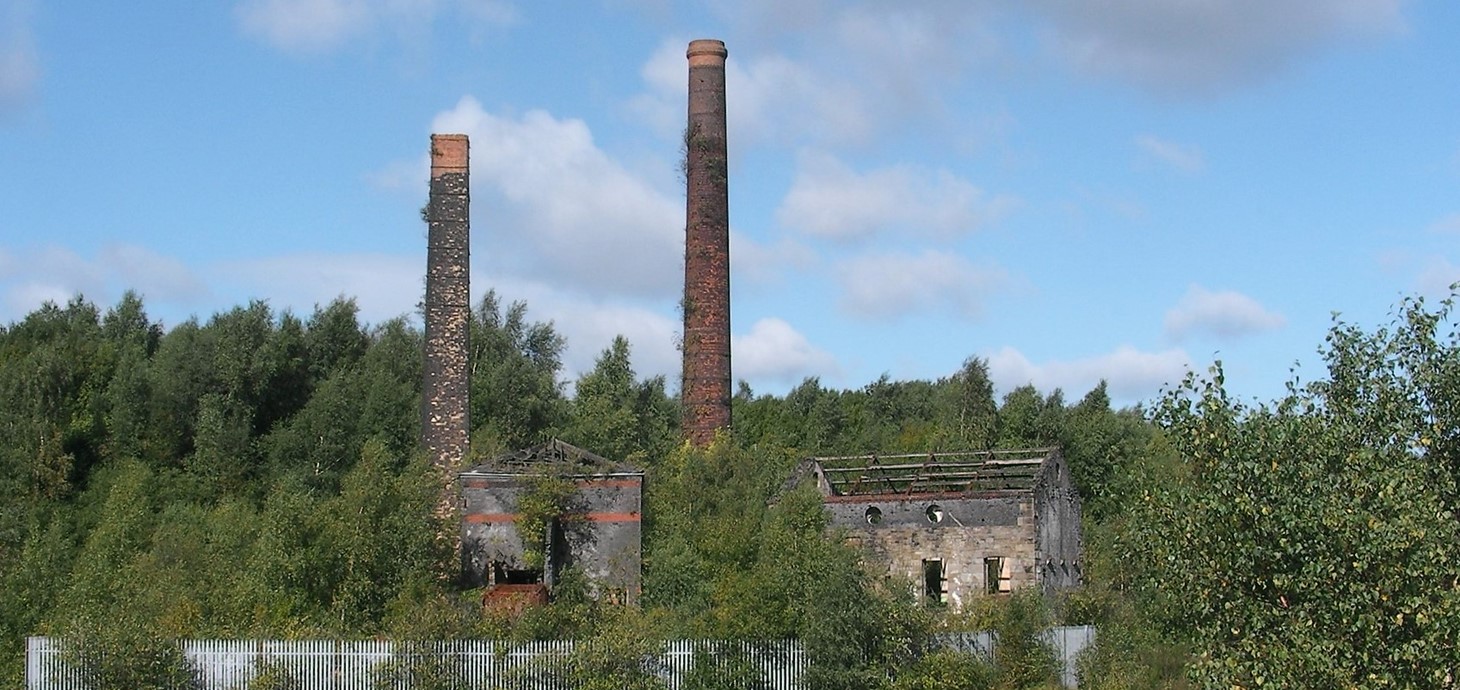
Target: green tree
pixel 1313 541
pixel 618 417
pixel 969 416
pixel 515 395
pixel 334 339
pixel 1023 420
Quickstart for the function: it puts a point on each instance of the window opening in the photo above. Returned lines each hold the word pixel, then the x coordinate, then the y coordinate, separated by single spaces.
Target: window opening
pixel 935 585
pixel 935 513
pixel 500 573
pixel 998 575
pixel 521 577
pixel 874 515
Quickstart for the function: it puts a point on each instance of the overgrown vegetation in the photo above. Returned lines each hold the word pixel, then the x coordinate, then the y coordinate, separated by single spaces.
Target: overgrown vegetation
pixel 257 476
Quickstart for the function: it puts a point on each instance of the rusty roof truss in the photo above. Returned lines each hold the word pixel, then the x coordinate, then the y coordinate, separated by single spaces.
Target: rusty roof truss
pixel 934 473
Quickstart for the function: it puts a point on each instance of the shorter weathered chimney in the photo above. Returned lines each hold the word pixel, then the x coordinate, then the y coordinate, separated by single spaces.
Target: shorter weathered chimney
pixel 445 421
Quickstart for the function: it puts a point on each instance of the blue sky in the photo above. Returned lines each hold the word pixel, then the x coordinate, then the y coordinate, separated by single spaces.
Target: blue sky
pixel 1072 193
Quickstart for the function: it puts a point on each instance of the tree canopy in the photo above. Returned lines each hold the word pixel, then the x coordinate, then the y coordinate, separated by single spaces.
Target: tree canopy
pixel 258 474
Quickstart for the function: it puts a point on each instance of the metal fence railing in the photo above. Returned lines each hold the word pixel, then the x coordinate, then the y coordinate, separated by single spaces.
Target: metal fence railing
pixel 1067 643
pixel 379 664
pixel 486 665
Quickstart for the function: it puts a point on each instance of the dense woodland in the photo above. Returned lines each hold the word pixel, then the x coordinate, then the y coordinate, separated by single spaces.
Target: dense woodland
pixel 258 475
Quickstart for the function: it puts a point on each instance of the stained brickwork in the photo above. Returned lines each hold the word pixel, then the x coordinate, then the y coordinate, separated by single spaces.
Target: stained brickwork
pixel 705 393
pixel 445 424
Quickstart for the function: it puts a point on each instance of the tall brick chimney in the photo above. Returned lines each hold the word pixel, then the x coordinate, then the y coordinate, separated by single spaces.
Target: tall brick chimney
pixel 705 392
pixel 445 423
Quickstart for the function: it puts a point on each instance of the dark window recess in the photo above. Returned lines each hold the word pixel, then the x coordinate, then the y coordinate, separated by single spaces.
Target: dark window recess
pixel 997 575
pixel 503 575
pixel 935 586
pixel 874 515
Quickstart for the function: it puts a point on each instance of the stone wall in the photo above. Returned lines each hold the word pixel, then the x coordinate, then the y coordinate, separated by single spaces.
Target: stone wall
pixel 901 534
pixel 1059 542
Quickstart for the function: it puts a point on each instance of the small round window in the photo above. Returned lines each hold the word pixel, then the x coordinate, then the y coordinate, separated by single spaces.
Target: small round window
pixel 873 515
pixel 935 513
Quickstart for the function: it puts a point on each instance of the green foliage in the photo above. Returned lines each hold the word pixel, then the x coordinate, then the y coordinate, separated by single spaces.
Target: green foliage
pixel 618 417
pixel 102 655
pixel 543 502
pixel 515 394
pixel 380 535
pixel 30 582
pixel 419 667
pixel 256 475
pixel 723 666
pixel 1027 420
pixel 621 656
pixel 1313 543
pixel 273 675
pixel 1129 651
pixel 968 413
pixel 1022 660
pixel 946 670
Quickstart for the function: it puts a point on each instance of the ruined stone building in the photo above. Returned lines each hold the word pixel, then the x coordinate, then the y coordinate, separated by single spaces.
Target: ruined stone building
pixel 594 526
pixel 959 525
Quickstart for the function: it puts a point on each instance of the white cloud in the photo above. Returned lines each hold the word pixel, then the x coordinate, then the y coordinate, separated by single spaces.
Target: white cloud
pixel 1226 314
pixel 891 285
pixel 384 286
pixel 775 16
pixel 1184 47
pixel 773 352
pixel 312 26
pixel 150 273
pixel 835 73
pixel 559 206
pixel 1449 225
pixel 828 199
pixel 26 297
pixel 1436 276
pixel 387 286
pixel 410 176
pixel 900 58
pixel 770 98
pixel 496 12
pixel 1183 158
pixel 20 70
pixel 589 325
pixel 305 25
pixel 754 263
pixel 1132 375
pixel 30 276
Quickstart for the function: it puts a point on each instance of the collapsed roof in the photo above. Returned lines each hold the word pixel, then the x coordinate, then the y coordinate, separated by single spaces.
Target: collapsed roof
pixel 963 472
pixel 563 457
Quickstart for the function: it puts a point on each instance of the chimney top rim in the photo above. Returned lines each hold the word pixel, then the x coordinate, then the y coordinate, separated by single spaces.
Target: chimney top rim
pixel 461 137
pixel 707 47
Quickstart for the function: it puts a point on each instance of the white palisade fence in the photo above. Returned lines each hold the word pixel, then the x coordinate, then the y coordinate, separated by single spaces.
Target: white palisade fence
pixel 366 665
pixel 483 664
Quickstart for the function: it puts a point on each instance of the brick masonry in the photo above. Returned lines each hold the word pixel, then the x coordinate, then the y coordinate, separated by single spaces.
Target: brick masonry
pixel 705 393
pixel 445 422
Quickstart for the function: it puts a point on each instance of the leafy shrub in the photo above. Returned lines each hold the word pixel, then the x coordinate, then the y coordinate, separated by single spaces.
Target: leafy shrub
pixel 125 659
pixel 274 675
